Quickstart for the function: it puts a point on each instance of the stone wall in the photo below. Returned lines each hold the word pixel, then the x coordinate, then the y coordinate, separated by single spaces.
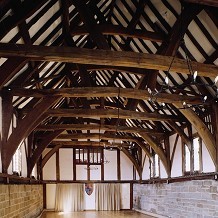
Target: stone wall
pixel 197 198
pixel 21 201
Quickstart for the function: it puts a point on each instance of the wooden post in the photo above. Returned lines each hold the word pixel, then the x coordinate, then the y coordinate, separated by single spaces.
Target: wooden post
pixel 118 165
pixel 57 166
pixel 74 164
pixel 102 165
pixel 131 196
pixel 44 196
pixel 167 148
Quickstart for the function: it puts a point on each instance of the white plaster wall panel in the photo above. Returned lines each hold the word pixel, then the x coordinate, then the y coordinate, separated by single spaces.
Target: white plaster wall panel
pixel 66 164
pixel 163 173
pixel 110 169
pixel 81 172
pixel 126 167
pixel 23 160
pixel 50 196
pixel 146 169
pixel 208 165
pixel 177 162
pixel 10 171
pixel 96 173
pixel 49 170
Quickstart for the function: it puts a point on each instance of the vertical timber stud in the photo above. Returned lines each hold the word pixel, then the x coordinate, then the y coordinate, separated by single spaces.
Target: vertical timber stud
pixel 57 166
pixel 131 196
pixel 167 149
pixel 102 164
pixel 44 196
pixel 118 165
pixel 74 164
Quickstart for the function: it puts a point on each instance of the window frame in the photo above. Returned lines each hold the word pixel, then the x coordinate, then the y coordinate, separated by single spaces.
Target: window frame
pixel 17 154
pixel 153 170
pixel 192 157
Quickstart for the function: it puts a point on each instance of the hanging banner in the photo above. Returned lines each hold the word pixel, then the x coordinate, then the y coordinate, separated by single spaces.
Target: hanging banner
pixel 89 188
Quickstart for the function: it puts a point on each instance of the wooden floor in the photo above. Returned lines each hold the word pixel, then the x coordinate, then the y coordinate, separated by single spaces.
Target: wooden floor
pixel 94 214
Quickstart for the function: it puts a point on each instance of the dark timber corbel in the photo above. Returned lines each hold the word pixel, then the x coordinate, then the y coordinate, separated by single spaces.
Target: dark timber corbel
pixel 40 148
pixel 7 113
pixel 24 128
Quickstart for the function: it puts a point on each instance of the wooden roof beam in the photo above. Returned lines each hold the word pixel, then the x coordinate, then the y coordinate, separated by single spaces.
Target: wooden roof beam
pixel 213 3
pixel 105 113
pixel 102 57
pixel 110 29
pixel 89 92
pixel 110 128
pixel 104 136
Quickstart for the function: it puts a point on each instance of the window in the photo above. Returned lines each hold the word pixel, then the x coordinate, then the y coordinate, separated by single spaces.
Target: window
pixel 192 157
pixel 155 166
pixel 88 156
pixel 16 162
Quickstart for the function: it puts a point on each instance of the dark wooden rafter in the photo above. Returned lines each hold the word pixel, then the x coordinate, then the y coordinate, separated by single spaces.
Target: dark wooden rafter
pixel 101 113
pixel 90 23
pixel 109 29
pixel 103 92
pixel 95 136
pixel 213 3
pixel 43 143
pixel 11 66
pixel 102 57
pixel 110 128
pixel 25 10
pixel 24 128
pixel 73 144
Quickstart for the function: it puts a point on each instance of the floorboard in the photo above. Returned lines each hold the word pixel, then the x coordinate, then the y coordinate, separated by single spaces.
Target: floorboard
pixel 95 214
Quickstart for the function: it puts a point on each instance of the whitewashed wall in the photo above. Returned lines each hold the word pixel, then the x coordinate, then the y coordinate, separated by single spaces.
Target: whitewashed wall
pixel 111 167
pixel 177 162
pixel 126 167
pixel 66 167
pixel 49 170
pixel 66 164
pixel 89 199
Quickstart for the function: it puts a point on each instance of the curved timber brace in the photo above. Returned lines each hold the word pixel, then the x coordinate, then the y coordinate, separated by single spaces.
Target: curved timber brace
pixel 202 130
pixel 24 127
